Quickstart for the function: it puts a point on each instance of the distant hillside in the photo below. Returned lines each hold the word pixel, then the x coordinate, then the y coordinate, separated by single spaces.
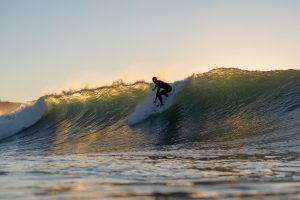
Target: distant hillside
pixel 7 107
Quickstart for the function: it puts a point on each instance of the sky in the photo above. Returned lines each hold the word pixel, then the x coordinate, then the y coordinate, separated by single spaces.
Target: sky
pixel 51 45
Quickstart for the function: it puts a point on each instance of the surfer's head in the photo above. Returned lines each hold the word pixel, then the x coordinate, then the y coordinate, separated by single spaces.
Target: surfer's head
pixel 154 79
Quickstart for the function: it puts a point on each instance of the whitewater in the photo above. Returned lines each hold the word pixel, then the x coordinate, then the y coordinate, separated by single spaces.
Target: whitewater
pixel 226 133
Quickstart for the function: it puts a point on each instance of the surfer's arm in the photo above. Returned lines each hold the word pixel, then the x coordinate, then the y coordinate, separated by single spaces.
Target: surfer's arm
pixel 154 88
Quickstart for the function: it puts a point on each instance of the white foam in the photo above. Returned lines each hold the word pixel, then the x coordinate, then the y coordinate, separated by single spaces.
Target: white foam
pixel 24 117
pixel 147 106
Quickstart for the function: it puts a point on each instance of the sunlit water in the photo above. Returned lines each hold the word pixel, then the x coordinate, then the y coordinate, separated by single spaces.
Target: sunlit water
pixel 172 172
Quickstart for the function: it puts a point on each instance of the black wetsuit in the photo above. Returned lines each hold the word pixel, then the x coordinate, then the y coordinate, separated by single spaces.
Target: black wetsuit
pixel 166 89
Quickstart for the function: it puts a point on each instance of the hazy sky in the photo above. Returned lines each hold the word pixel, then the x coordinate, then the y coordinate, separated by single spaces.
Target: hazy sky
pixel 49 45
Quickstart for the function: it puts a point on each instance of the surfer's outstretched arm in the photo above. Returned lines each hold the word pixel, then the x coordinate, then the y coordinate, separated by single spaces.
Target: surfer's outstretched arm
pixel 157 94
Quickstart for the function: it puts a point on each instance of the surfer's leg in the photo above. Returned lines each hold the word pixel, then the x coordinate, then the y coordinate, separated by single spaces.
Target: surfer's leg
pixel 160 100
pixel 164 92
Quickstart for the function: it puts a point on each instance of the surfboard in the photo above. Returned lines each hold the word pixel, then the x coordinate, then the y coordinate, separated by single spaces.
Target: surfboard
pixel 156 108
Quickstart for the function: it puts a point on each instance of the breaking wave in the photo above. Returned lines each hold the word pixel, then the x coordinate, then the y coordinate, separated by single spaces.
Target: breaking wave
pixel 22 118
pixel 224 104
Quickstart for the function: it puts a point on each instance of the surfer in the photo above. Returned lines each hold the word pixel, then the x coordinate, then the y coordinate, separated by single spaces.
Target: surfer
pixel 161 85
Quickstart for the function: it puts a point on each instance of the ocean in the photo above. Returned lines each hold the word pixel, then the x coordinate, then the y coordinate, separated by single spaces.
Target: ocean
pixel 224 134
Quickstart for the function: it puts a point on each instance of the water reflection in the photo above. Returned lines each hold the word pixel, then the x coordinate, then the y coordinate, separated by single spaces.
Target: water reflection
pixel 151 174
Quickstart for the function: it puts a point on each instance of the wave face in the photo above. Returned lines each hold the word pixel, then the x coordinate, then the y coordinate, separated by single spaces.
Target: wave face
pixel 221 107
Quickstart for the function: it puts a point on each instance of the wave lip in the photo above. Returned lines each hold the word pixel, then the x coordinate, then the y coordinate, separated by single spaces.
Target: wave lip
pixel 24 117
